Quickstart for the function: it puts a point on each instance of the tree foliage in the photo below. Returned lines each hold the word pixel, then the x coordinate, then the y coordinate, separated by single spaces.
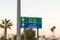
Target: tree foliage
pixel 30 34
pixel 15 37
pixel 2 38
pixel 5 24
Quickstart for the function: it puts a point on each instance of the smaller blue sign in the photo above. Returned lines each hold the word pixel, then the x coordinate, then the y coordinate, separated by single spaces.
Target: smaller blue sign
pixel 30 25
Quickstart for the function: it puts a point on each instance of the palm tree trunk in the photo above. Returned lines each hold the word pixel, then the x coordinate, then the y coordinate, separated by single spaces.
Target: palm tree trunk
pixel 5 33
pixel 53 35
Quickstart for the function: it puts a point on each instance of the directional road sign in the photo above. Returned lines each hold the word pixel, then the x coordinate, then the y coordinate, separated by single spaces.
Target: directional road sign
pixel 30 22
pixel 30 19
pixel 31 25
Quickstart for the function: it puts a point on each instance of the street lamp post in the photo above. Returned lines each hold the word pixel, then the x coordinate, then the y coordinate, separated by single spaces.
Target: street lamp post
pixel 18 19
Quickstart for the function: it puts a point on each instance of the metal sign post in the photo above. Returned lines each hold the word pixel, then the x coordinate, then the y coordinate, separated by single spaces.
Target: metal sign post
pixel 18 20
pixel 24 33
pixel 37 33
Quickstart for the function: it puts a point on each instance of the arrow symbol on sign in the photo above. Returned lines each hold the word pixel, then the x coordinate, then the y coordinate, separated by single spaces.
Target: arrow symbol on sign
pixel 23 19
pixel 22 24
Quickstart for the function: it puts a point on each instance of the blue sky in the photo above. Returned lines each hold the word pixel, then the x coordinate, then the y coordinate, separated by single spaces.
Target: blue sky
pixel 49 10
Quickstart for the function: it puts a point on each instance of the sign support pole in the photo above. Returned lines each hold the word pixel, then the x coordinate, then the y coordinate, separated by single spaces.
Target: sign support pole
pixel 18 20
pixel 37 33
pixel 24 33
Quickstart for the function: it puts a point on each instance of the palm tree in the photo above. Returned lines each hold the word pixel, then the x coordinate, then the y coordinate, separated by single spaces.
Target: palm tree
pixel 52 30
pixel 5 24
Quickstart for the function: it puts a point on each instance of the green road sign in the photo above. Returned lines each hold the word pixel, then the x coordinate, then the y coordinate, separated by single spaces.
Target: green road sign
pixel 35 20
pixel 31 20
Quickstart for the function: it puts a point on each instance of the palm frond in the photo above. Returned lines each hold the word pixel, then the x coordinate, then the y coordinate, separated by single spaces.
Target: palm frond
pixel 9 27
pixel 3 22
pixel 7 21
pixel 54 27
pixel 9 24
pixel 2 26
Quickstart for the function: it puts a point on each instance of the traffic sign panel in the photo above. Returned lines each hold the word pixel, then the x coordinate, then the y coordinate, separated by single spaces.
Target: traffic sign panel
pixel 31 25
pixel 30 19
pixel 30 22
